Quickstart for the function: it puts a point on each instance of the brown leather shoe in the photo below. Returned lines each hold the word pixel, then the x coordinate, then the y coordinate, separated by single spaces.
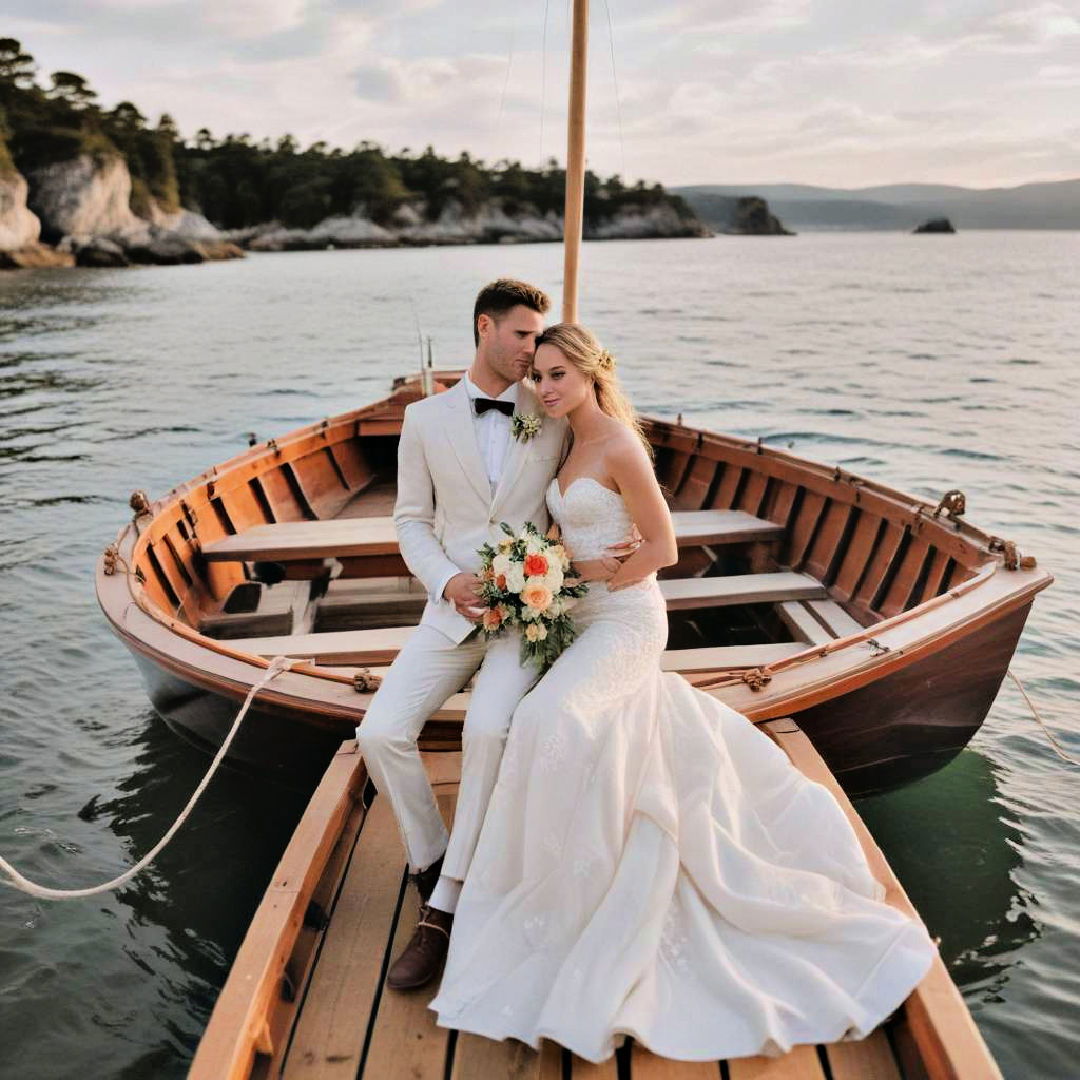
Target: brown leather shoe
pixel 426 880
pixel 422 959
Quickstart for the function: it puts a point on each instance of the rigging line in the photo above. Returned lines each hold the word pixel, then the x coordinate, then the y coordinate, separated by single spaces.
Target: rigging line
pixel 506 83
pixel 543 78
pixel 615 80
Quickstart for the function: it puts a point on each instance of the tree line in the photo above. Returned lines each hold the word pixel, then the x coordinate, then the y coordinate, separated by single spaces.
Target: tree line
pixel 237 181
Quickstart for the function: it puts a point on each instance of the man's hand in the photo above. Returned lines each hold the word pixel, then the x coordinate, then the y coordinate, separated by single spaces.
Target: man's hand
pixel 462 590
pixel 625 548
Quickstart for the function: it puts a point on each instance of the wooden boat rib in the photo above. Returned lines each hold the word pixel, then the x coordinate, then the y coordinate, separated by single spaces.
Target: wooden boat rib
pixel 305 997
pixel 882 623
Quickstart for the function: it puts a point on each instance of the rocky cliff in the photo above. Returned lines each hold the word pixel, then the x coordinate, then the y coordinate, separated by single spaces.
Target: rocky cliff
pixel 83 208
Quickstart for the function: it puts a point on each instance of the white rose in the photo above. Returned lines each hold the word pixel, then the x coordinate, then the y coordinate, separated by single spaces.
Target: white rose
pixel 534 545
pixel 501 564
pixel 515 577
pixel 553 579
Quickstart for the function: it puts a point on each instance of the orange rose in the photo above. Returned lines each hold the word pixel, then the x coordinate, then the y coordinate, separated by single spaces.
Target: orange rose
pixel 535 566
pixel 492 619
pixel 500 581
pixel 537 596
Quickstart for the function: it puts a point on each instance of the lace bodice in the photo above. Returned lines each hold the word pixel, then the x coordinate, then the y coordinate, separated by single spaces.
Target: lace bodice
pixel 591 516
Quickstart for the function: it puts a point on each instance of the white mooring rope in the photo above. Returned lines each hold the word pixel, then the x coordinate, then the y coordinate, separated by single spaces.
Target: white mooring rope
pixel 1054 744
pixel 277 665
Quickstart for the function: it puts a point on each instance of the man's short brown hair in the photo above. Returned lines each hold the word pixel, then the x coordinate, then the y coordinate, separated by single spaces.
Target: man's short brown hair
pixel 496 299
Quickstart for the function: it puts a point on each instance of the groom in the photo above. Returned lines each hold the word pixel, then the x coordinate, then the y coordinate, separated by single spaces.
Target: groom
pixel 461 471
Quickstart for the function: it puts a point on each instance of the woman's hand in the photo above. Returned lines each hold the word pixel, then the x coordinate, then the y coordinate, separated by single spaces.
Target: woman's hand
pixel 601 569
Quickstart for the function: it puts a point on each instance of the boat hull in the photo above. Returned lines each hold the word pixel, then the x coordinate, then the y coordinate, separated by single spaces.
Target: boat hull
pixel 910 723
pixel 904 725
pixel 280 744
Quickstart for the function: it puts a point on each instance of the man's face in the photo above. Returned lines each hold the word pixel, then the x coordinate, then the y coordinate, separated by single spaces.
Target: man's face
pixel 508 344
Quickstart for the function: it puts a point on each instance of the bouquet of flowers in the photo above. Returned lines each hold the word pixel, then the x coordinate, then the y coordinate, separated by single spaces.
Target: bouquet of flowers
pixel 525 582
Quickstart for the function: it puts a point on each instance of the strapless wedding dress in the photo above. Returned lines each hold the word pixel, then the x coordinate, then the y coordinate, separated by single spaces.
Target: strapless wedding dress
pixel 652 865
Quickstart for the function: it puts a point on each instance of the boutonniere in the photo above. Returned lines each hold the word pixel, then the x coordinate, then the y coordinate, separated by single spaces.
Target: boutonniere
pixel 525 426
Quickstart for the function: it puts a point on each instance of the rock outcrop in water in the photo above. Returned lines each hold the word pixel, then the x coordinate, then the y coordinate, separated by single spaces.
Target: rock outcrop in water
pixel 750 216
pixel 936 225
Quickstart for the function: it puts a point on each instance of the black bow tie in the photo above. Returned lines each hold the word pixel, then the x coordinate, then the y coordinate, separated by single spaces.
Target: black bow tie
pixel 483 404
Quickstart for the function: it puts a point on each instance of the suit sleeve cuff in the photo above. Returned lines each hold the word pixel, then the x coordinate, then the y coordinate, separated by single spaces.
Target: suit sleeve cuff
pixel 437 592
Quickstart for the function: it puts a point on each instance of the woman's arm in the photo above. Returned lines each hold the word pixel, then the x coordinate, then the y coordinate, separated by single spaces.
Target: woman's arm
pixel 632 471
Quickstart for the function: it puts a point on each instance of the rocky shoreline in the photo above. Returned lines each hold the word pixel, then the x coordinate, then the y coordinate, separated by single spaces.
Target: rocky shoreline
pixel 78 213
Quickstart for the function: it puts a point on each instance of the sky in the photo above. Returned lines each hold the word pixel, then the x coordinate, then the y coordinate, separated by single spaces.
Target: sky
pixel 839 93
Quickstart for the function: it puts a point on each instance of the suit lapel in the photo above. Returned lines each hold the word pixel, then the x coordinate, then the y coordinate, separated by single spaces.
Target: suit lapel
pixel 462 434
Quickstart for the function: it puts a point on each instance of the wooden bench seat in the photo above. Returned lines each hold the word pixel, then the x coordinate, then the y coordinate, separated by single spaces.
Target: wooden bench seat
pixel 352 537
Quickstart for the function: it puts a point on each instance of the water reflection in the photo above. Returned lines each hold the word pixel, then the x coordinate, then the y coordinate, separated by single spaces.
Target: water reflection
pixel 957 856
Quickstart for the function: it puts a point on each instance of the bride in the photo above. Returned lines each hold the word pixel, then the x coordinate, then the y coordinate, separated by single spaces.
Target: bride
pixel 651 864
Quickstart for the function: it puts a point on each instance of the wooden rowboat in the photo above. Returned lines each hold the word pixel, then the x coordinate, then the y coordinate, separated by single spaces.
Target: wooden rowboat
pixel 883 624
pixel 305 996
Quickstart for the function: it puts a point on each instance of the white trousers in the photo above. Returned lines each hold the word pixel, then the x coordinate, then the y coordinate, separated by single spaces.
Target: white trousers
pixel 426 672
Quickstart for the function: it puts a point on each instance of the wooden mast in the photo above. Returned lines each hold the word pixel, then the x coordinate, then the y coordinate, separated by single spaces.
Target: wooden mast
pixel 575 162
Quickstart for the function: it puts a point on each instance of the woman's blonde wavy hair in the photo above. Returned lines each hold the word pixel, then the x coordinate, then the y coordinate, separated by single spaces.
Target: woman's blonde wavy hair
pixel 581 348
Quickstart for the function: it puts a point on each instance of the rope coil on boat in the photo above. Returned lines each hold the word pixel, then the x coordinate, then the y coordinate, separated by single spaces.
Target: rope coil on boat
pixel 277 665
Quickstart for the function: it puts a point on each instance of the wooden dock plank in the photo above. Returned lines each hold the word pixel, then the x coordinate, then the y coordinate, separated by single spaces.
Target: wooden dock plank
pixel 329 1037
pixel 406 1041
pixel 867 1059
pixel 476 1058
pixel 645 1065
pixel 800 1064
pixel 580 1069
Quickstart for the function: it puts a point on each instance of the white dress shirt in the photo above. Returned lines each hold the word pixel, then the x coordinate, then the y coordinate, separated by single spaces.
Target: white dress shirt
pixel 493 438
pixel 492 430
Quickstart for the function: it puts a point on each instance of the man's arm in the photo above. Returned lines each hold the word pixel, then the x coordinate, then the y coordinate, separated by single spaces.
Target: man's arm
pixel 414 514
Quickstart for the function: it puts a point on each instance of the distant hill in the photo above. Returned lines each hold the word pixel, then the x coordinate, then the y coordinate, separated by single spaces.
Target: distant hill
pixel 1049 205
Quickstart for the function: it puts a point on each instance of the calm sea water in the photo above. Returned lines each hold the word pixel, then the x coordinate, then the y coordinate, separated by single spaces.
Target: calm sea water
pixel 925 362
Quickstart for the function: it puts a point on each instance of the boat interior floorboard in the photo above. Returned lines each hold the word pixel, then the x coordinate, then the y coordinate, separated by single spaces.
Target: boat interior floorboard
pixel 351 1026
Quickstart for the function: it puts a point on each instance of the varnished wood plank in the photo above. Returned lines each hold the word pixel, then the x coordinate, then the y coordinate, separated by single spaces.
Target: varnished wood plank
pixel 800 1064
pixel 695 487
pixel 645 1065
pixel 855 559
pixel 348 537
pixel 866 1059
pixel 242 1015
pixel 406 1041
pixel 476 1058
pixel 898 592
pixel 802 624
pixel 936 576
pixel 882 557
pixel 839 622
pixel 753 492
pixel 682 593
pixel 822 552
pixel 728 487
pixel 580 1069
pixel 805 526
pixel 329 1038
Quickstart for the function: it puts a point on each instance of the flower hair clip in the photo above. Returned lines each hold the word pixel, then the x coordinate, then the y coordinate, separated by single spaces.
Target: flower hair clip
pixel 606 361
pixel 525 426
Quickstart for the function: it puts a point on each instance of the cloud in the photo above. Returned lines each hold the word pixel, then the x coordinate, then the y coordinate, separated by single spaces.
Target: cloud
pixel 745 90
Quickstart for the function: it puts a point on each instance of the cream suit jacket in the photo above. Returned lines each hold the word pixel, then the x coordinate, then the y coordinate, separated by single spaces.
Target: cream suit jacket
pixel 445 510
